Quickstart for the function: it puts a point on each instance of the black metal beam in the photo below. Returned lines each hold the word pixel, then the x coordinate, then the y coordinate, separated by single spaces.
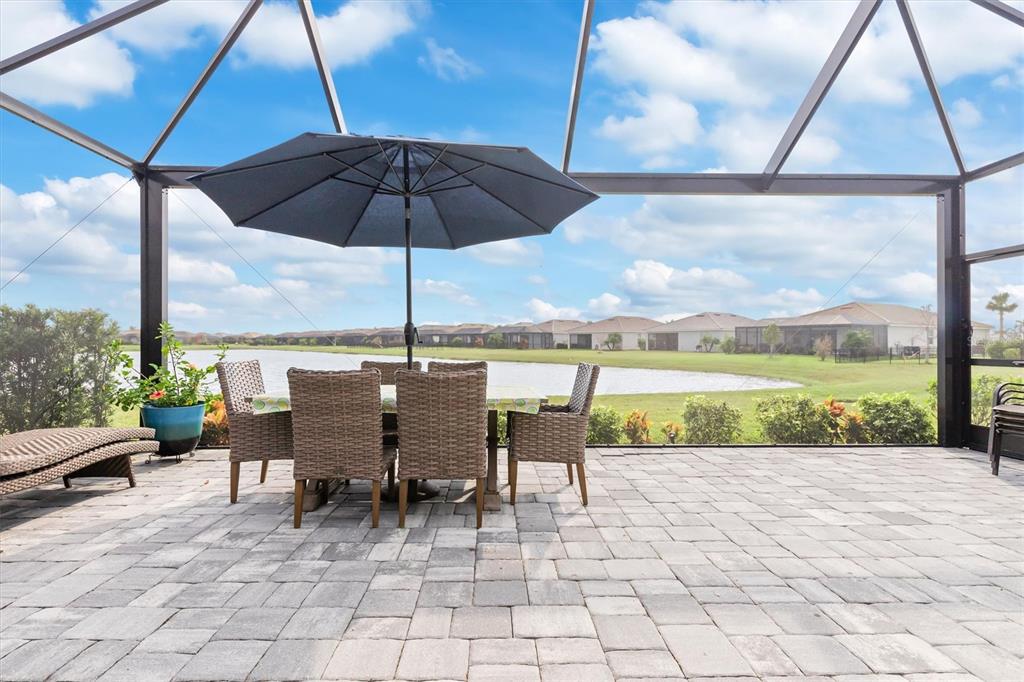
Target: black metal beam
pixel 822 83
pixel 577 81
pixel 33 115
pixel 76 34
pixel 1002 9
pixel 326 79
pixel 153 268
pixel 204 76
pixel 954 323
pixel 176 176
pixel 995 167
pixel 752 184
pixel 929 79
pixel 995 254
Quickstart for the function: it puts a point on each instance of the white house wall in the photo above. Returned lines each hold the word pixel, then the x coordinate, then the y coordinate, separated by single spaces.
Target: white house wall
pixel 688 341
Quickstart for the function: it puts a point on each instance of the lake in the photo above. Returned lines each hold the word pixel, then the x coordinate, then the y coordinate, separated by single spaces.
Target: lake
pixel 549 379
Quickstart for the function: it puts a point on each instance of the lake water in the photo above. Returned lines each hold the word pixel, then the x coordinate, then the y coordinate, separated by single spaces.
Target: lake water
pixel 549 379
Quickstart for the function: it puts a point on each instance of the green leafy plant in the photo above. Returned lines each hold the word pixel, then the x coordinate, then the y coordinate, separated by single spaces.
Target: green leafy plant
pixel 215 423
pixel 707 421
pixel 176 382
pixel 495 340
pixel 641 343
pixel 857 341
pixel 55 369
pixel 605 426
pixel 613 341
pixel 823 347
pixel 638 427
pixel 895 418
pixel 772 336
pixel 794 419
pixel 672 431
pixel 983 386
pixel 708 343
pixel 846 426
pixel 728 345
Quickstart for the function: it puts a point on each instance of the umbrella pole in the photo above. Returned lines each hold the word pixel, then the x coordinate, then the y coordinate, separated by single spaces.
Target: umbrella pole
pixel 410 330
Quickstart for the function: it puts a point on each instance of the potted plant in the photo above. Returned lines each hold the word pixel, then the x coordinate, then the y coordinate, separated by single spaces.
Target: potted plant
pixel 172 398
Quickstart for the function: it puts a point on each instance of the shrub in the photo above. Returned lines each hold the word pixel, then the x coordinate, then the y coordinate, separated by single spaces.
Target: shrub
pixel 858 341
pixel 561 346
pixel 846 427
pixel 495 341
pixel 772 336
pixel 982 388
pixel 55 369
pixel 708 421
pixel 895 418
pixel 641 343
pixel 729 345
pixel 672 431
pixel 823 347
pixel 605 426
pixel 638 427
pixel 708 343
pixel 613 341
pixel 456 341
pixel 215 423
pixel 794 419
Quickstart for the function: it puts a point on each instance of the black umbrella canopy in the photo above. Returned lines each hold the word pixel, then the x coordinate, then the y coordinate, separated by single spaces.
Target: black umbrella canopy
pixel 350 190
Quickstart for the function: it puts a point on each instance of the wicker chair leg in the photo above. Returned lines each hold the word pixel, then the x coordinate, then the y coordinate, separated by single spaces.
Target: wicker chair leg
pixel 375 505
pixel 235 470
pixel 568 468
pixel 513 472
pixel 481 483
pixel 263 470
pixel 583 482
pixel 995 448
pixel 391 479
pixel 67 482
pixel 403 500
pixel 300 494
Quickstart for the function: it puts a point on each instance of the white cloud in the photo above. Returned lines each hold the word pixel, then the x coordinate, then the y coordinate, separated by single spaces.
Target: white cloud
pixel 186 310
pixel 445 289
pixel 665 124
pixel 446 63
pixel 542 310
pixel 539 280
pixel 76 75
pixel 172 26
pixel 653 279
pixel 205 272
pixel 784 302
pixel 913 285
pixel 510 252
pixel 745 142
pixel 605 305
pixel 965 114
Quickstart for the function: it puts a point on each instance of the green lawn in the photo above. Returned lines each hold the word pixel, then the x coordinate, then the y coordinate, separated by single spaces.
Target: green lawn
pixel 820 379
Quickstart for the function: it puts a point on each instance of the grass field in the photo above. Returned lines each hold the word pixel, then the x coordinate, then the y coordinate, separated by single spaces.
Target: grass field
pixel 820 379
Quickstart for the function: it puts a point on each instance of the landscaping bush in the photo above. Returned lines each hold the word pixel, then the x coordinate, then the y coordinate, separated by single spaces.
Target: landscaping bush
pixel 215 423
pixel 823 347
pixel 613 341
pixel 638 428
pixel 641 343
pixel 55 370
pixel 983 386
pixel 794 419
pixel 672 431
pixel 605 426
pixel 707 421
pixel 895 418
pixel 728 345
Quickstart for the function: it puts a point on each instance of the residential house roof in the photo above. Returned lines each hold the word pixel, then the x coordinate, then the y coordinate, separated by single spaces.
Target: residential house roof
pixel 704 322
pixel 555 326
pixel 619 323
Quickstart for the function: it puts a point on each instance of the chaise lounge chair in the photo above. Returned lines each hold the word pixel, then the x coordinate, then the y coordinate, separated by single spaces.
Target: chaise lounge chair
pixel 31 458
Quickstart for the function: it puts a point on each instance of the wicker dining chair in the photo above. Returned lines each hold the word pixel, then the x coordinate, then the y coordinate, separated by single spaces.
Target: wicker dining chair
pixel 435 366
pixel 1007 419
pixel 252 437
pixel 558 433
pixel 337 432
pixel 442 431
pixel 387 369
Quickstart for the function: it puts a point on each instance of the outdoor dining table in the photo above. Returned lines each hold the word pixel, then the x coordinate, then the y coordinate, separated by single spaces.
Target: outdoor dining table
pixel 499 399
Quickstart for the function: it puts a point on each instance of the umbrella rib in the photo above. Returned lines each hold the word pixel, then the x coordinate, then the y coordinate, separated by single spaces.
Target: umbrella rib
pixel 508 205
pixel 363 184
pixel 437 209
pixel 391 163
pixel 379 181
pixel 423 176
pixel 443 189
pixel 359 218
pixel 257 166
pixel 426 189
pixel 525 175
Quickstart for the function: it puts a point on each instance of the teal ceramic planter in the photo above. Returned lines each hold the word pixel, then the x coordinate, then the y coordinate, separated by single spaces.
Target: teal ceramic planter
pixel 177 428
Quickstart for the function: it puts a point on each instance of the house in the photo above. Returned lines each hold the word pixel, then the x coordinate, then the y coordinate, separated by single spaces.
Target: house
pixel 469 334
pixel 517 335
pixel 686 333
pixel 892 327
pixel 434 334
pixel 595 334
pixel 552 333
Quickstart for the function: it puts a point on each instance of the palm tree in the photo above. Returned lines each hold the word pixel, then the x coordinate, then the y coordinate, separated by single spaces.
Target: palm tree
pixel 1000 303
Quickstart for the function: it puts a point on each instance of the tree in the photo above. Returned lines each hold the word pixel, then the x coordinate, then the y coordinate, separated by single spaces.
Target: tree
pixel 772 336
pixel 496 340
pixel 857 341
pixel 708 342
pixel 613 341
pixel 1000 303
pixel 823 347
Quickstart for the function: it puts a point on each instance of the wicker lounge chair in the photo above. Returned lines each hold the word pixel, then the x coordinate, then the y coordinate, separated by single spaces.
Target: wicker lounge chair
pixel 252 437
pixel 435 366
pixel 558 433
pixel 442 431
pixel 1007 419
pixel 31 458
pixel 337 432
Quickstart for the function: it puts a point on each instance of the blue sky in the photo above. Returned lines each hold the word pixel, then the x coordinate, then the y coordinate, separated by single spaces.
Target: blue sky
pixel 692 86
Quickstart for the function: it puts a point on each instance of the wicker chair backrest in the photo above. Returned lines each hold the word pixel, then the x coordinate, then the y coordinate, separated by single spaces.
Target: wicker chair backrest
pixel 336 425
pixel 442 424
pixel 434 366
pixel 583 390
pixel 238 381
pixel 387 369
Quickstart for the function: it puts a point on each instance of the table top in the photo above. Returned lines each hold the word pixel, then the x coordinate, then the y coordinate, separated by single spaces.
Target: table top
pixel 500 398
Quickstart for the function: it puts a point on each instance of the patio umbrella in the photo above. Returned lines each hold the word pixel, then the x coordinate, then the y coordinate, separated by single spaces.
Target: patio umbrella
pixel 350 190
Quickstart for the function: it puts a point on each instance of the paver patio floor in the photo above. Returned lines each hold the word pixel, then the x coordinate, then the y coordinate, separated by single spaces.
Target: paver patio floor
pixel 868 564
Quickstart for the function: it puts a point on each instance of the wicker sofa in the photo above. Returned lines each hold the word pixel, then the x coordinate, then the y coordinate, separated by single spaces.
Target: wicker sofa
pixel 31 458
